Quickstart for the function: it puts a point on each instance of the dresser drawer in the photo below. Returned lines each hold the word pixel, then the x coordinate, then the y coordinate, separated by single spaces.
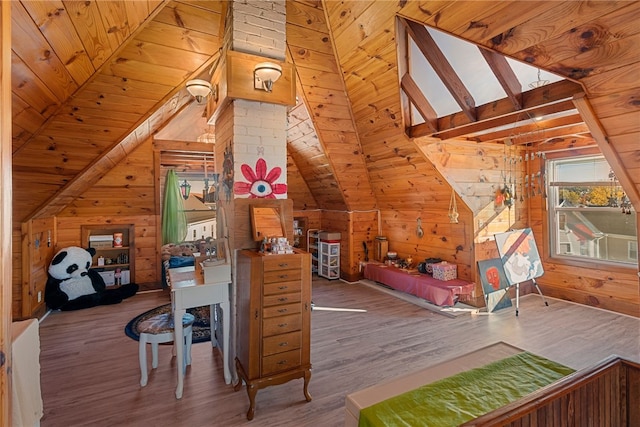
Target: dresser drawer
pixel 282 262
pixel 281 299
pixel 281 343
pixel 281 310
pixel 281 287
pixel 278 276
pixel 281 325
pixel 281 362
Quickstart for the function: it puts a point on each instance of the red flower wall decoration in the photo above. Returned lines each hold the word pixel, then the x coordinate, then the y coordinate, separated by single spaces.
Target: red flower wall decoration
pixel 260 185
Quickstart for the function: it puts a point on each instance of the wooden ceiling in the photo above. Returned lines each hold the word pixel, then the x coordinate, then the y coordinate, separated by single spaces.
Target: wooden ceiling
pixel 92 80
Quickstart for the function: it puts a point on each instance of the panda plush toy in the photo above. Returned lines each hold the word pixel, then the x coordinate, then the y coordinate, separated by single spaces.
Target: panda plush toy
pixel 72 285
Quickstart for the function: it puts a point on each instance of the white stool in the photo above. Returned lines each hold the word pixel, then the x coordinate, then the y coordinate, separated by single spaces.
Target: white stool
pixel 157 330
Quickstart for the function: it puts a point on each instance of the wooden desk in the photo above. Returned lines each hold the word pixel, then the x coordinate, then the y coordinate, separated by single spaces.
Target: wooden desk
pixel 188 290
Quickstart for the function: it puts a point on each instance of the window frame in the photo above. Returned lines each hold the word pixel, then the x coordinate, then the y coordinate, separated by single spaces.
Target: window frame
pixel 552 219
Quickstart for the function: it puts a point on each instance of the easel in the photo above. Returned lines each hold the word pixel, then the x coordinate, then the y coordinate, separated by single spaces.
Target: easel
pixel 522 237
pixel 518 295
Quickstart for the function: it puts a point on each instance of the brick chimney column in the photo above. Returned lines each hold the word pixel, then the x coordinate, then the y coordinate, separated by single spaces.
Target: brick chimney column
pixel 253 133
pixel 251 136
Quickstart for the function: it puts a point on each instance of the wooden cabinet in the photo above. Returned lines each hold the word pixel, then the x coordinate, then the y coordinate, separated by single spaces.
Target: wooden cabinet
pixel 274 321
pixel 115 254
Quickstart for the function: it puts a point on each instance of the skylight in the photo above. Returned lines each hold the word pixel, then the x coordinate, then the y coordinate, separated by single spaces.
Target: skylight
pixel 474 72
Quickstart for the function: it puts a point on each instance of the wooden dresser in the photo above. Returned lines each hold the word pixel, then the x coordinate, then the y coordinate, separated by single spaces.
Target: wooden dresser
pixel 274 321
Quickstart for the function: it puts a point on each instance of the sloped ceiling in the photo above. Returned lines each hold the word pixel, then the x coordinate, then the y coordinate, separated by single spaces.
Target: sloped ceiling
pixel 91 80
pixel 591 43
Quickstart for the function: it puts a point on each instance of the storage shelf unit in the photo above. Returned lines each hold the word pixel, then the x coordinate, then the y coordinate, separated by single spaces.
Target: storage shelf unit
pixel 313 246
pixel 300 233
pixel 114 258
pixel 329 259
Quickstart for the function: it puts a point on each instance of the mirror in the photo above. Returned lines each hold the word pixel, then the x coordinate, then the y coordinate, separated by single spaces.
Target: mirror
pixel 266 222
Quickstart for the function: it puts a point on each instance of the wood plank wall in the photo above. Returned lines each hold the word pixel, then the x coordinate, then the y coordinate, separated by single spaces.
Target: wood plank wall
pixel 6 260
pixel 607 394
pixel 323 89
pixel 297 188
pixel 147 258
pixel 38 248
pixel 354 228
pixel 587 282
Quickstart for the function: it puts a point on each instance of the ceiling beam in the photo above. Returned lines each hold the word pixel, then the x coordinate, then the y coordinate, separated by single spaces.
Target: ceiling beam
pixel 421 103
pixel 536 129
pixel 510 119
pixel 441 66
pixel 505 75
pixel 613 158
pixel 557 134
pixel 553 92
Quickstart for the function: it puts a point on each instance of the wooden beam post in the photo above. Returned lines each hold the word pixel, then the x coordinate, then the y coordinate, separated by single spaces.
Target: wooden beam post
pixel 597 131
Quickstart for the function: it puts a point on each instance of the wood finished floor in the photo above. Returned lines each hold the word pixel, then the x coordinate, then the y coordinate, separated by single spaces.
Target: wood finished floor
pixel 90 373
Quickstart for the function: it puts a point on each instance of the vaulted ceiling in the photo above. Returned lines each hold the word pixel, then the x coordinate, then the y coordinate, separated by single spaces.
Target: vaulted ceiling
pixel 92 80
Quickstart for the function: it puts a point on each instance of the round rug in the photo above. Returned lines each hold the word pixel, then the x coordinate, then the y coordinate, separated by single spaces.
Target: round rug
pixel 201 326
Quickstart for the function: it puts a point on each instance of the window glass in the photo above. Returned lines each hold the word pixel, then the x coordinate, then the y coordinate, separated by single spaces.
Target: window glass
pixel 590 215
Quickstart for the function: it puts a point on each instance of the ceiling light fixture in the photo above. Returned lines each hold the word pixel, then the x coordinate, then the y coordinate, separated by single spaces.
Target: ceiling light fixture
pixel 265 74
pixel 538 83
pixel 207 138
pixel 199 89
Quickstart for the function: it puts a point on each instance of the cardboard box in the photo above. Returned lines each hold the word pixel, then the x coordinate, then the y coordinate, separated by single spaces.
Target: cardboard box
pixel 445 271
pixel 100 241
pixel 108 277
pixel 101 245
pixel 327 236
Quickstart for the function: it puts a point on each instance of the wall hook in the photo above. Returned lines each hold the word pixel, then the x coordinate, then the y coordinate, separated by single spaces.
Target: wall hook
pixel 419 230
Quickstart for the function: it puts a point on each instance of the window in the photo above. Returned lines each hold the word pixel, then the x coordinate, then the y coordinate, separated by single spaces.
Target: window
pixel 585 215
pixel 633 250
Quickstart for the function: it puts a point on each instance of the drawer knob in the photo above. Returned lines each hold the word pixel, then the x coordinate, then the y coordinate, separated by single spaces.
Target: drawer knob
pixel 282 288
pixel 282 362
pixel 283 265
pixel 284 276
pixel 283 299
pixel 282 325
pixel 283 344
pixel 282 310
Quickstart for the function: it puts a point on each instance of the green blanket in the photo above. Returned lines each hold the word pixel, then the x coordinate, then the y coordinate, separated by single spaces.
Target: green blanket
pixel 467 395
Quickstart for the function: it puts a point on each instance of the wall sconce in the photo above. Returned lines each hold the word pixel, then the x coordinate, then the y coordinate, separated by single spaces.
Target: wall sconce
pixel 199 89
pixel 265 74
pixel 185 189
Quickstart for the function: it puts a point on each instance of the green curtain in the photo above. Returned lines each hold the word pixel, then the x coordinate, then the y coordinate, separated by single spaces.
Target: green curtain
pixel 174 220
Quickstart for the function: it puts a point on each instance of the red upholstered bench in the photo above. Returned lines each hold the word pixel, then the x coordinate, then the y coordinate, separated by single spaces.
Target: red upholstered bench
pixel 439 292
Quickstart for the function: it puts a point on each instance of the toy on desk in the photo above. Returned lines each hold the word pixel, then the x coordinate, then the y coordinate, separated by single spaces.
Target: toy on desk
pixel 215 261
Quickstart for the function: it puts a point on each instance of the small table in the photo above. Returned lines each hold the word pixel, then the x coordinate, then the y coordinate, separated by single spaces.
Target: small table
pixel 188 290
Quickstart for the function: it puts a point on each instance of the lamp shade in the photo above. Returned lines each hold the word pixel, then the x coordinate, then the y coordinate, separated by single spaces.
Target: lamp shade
pixel 266 73
pixel 199 88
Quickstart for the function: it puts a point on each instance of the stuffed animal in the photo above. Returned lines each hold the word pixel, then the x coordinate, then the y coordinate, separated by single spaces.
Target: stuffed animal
pixel 180 249
pixel 72 285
